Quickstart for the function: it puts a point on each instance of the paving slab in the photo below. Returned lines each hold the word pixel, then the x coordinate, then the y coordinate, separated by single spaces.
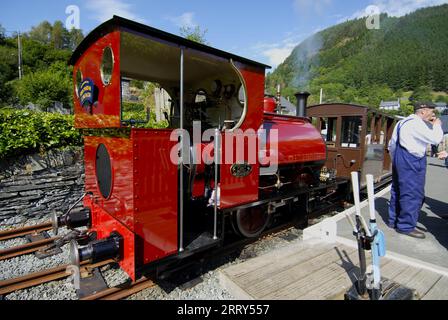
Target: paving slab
pixel 316 269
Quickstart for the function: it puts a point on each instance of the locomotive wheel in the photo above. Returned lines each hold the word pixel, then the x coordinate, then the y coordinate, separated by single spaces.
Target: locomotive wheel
pixel 251 222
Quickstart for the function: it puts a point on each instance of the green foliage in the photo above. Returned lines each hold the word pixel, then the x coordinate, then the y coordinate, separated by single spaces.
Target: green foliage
pixel 41 32
pixel 195 34
pixel 43 88
pixel 56 35
pixel 2 34
pixel 136 112
pixel 46 50
pixel 25 131
pixel 356 65
pixel 422 93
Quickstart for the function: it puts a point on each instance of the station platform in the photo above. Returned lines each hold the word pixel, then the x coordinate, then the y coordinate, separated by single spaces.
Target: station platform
pixel 324 264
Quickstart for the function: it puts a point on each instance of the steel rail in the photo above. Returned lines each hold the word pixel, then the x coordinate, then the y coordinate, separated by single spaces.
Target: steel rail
pixel 41 277
pixel 122 291
pixel 20 232
pixel 26 248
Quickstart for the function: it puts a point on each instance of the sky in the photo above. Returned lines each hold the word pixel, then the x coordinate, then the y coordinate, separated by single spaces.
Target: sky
pixel 264 31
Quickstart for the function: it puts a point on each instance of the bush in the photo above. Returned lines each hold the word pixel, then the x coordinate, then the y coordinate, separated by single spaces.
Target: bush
pixel 25 132
pixel 43 88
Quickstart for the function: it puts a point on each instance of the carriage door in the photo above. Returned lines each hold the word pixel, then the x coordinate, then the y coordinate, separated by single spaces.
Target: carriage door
pixel 389 130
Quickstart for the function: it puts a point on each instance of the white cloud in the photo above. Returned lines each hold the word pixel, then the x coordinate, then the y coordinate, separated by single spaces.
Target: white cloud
pixel 103 10
pixel 276 53
pixel 184 20
pixel 395 8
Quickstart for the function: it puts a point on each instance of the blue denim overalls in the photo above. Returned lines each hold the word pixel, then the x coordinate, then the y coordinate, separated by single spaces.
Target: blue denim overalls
pixel 408 187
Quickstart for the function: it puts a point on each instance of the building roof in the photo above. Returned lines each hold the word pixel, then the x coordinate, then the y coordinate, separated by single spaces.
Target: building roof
pixel 390 103
pixel 289 107
pixel 122 24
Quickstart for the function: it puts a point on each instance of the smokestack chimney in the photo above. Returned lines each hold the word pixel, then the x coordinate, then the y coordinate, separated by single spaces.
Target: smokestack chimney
pixel 302 101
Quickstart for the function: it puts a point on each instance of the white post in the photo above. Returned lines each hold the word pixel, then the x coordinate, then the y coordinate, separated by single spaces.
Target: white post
pixel 321 95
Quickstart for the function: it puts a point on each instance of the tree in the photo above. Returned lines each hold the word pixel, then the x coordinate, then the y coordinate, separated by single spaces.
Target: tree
pixel 43 88
pixel 2 35
pixel 59 35
pixel 42 33
pixel 422 93
pixel 75 36
pixel 196 34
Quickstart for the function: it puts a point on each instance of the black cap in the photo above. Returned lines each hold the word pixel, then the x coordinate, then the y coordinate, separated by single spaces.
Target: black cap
pixel 423 105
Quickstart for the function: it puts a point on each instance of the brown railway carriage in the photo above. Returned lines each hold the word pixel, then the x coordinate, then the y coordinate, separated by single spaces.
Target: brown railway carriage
pixel 357 138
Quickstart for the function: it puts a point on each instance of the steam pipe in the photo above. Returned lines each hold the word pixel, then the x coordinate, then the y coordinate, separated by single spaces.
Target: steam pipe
pixel 302 102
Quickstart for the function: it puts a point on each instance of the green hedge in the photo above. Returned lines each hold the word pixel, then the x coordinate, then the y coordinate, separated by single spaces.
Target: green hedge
pixel 24 132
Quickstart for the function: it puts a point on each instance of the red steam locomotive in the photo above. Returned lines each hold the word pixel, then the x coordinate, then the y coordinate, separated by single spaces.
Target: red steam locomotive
pixel 144 208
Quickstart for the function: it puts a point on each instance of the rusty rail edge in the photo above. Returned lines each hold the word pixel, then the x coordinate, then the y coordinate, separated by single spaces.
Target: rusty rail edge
pixel 20 232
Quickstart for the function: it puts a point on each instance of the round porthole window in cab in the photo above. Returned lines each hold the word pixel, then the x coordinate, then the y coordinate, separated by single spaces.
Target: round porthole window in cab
pixel 103 170
pixel 78 81
pixel 107 66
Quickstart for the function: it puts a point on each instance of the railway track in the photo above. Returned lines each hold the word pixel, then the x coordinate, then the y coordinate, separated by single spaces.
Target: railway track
pixel 41 277
pixel 21 232
pixel 26 248
pixel 122 291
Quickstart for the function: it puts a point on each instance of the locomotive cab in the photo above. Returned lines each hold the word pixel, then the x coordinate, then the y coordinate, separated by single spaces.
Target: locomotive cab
pixel 137 91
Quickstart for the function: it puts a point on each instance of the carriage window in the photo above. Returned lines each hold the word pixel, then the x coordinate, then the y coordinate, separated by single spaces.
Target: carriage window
pixel 351 130
pixel 328 130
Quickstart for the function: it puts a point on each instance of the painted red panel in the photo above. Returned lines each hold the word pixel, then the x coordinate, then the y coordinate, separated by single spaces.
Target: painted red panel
pixel 104 224
pixel 254 78
pixel 156 193
pixel 239 190
pixel 120 204
pixel 236 191
pixel 298 140
pixel 106 111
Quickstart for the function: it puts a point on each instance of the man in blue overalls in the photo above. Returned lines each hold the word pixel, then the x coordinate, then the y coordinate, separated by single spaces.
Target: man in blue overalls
pixel 408 152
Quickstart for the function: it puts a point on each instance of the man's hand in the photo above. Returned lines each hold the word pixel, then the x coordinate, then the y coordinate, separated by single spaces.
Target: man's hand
pixel 436 121
pixel 443 155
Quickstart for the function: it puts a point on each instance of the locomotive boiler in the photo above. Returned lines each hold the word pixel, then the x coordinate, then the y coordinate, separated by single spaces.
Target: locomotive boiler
pixel 154 195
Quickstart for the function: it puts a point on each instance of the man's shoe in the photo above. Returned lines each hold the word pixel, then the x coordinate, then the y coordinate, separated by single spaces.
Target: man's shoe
pixel 422 229
pixel 414 234
pixel 443 216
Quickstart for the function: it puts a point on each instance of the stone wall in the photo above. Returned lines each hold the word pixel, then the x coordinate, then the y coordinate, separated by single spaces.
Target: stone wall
pixel 33 186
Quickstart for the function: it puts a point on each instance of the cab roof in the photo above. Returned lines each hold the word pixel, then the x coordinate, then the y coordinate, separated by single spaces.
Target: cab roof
pixel 121 24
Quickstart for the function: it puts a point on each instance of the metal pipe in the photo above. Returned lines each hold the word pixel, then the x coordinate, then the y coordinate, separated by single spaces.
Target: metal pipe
pixel 217 149
pixel 302 101
pixel 181 167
